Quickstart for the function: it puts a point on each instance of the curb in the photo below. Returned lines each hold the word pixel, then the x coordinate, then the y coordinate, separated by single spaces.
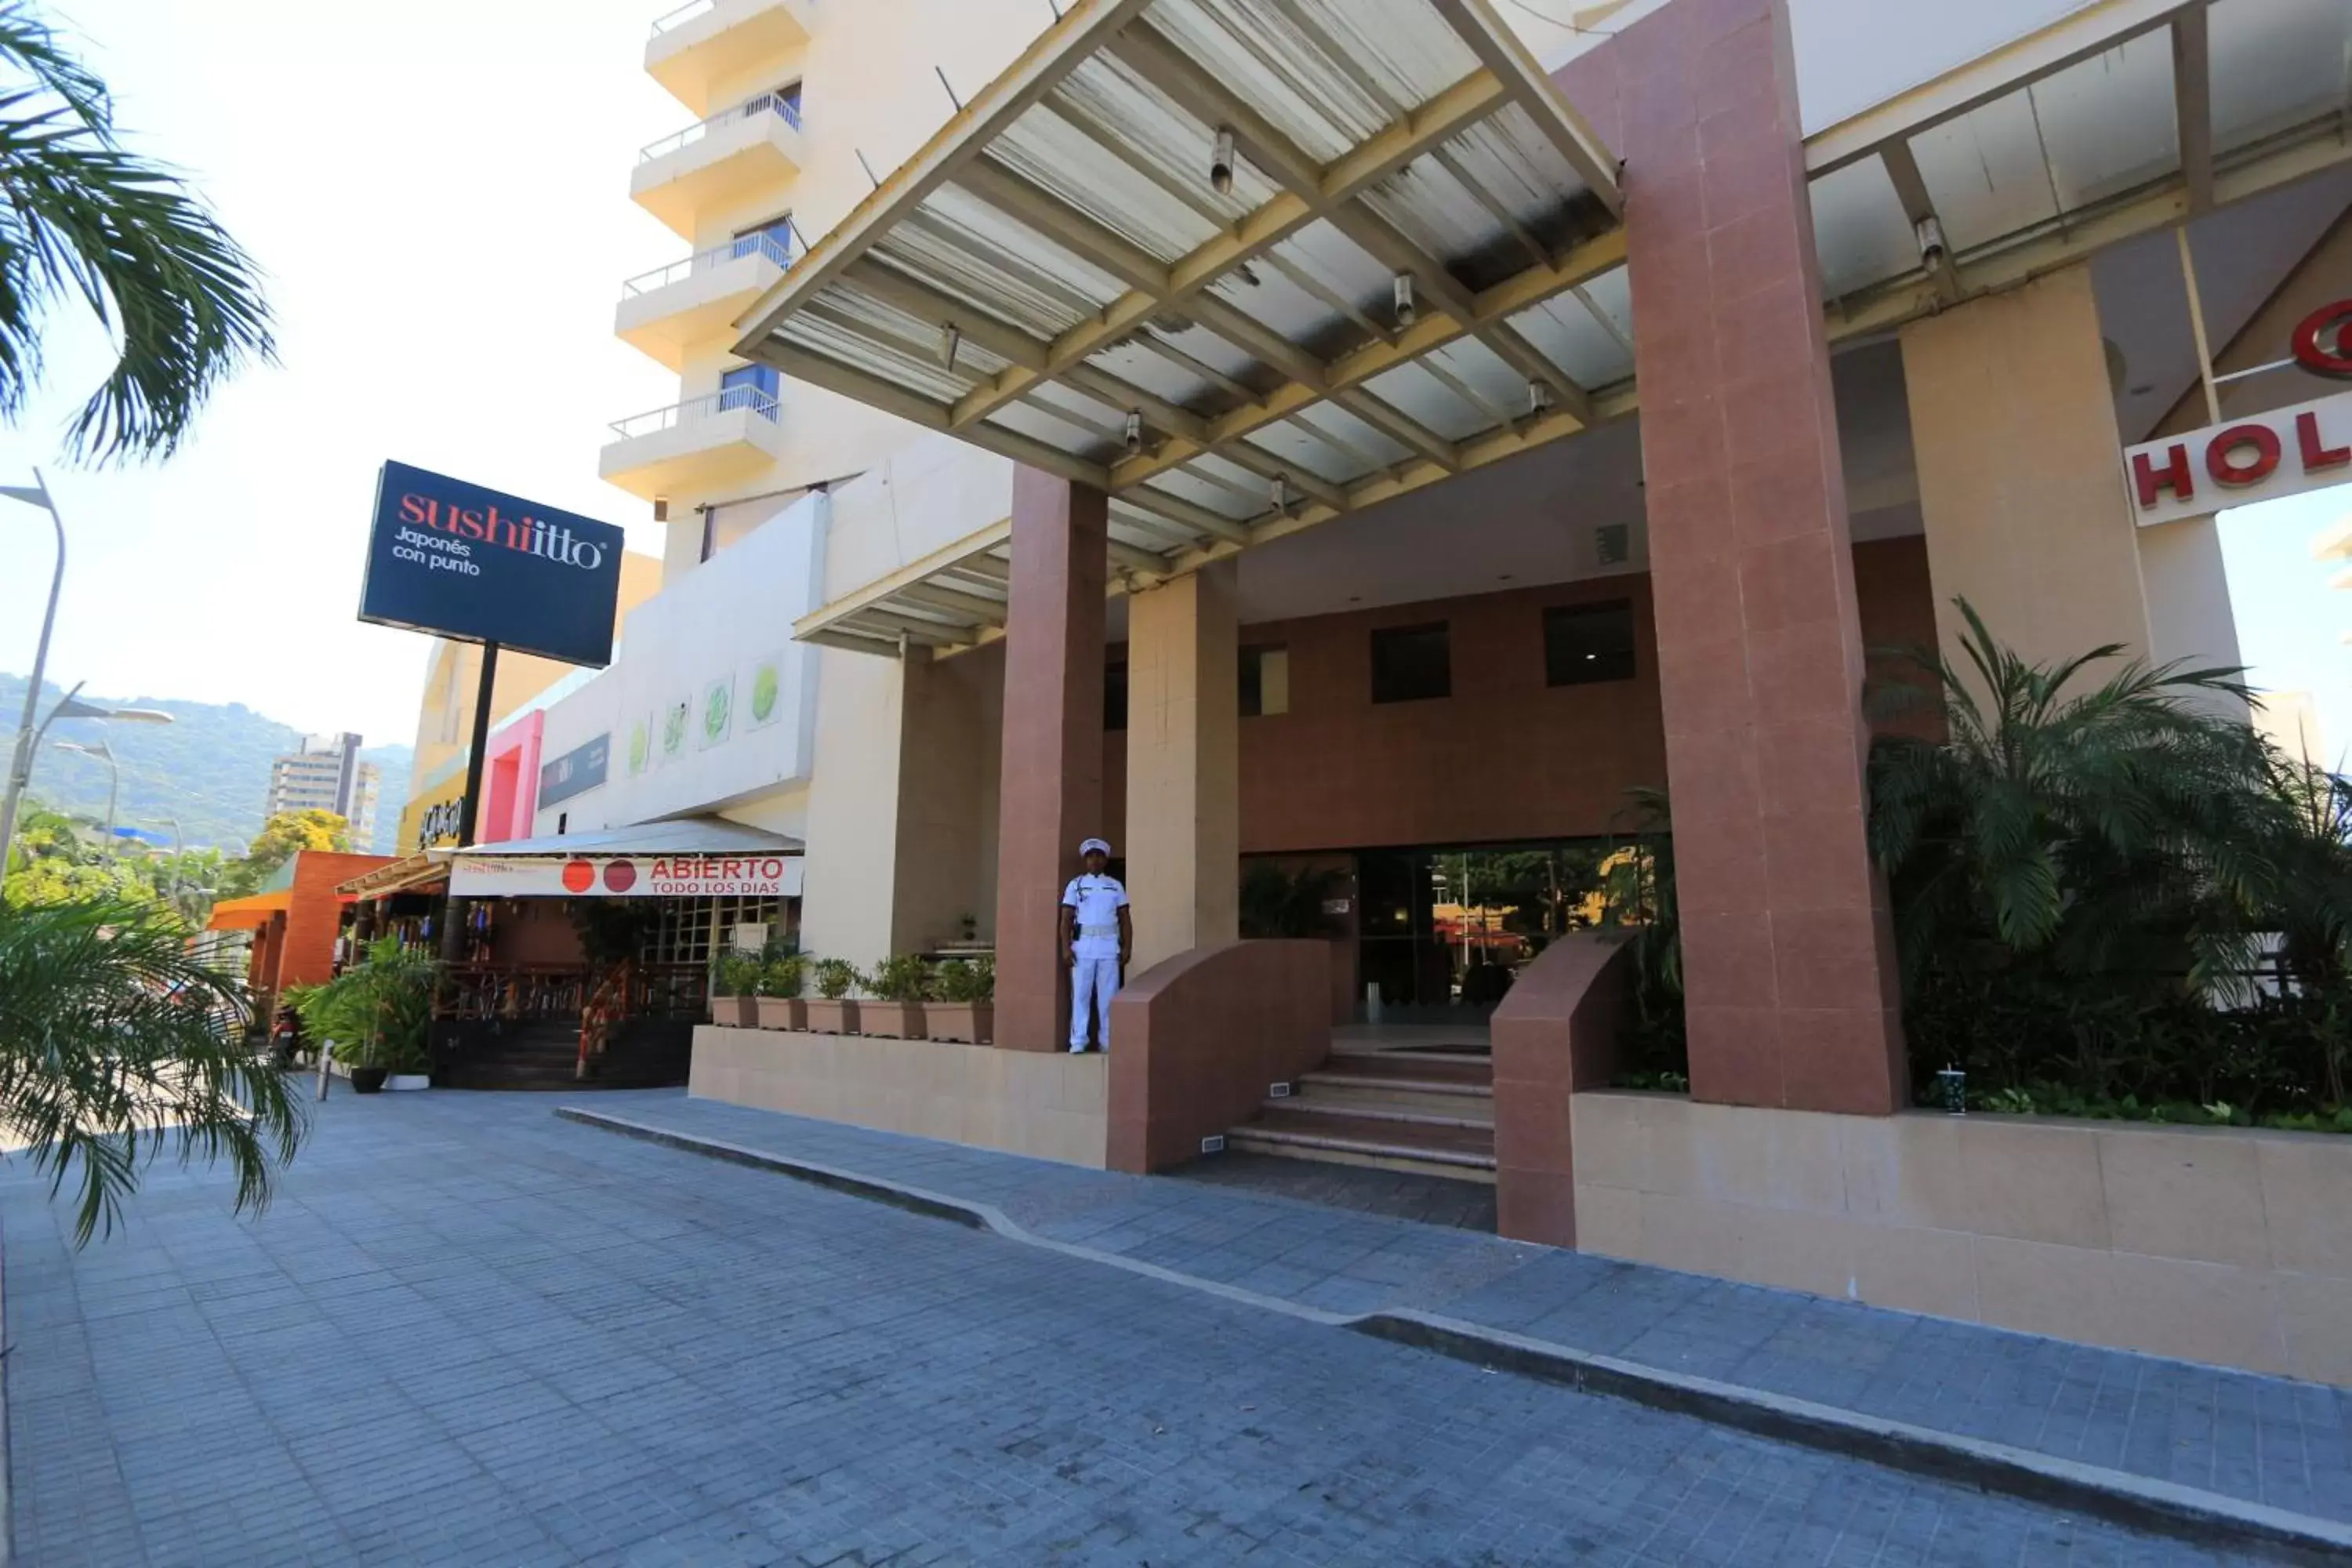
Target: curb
pixel 2138 1503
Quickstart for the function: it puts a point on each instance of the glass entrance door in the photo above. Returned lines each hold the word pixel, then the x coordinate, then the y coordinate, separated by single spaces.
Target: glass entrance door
pixel 1445 932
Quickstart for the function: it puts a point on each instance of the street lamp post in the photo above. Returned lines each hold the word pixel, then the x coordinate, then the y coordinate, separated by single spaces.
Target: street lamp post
pixel 70 706
pixel 104 754
pixel 20 766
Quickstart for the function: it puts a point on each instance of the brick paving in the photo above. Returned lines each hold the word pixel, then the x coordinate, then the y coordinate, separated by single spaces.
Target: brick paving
pixel 470 1332
pixel 2269 1441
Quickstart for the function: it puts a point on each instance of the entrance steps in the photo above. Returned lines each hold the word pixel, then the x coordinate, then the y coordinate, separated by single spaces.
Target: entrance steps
pixel 545 1056
pixel 1427 1113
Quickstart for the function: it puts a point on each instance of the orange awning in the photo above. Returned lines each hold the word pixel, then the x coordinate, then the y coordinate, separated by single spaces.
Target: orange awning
pixel 242 914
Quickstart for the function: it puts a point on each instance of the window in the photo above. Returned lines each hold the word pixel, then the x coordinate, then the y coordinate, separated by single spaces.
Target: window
pixel 1411 664
pixel 1588 643
pixel 687 929
pixel 773 240
pixel 1115 696
pixel 1265 681
pixel 751 386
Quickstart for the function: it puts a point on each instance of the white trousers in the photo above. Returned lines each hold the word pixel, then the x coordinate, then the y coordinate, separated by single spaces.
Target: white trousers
pixel 1093 982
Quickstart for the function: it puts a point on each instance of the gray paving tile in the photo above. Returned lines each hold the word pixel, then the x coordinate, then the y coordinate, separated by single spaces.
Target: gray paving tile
pixel 477 1334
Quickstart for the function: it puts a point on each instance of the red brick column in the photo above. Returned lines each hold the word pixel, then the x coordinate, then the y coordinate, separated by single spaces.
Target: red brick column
pixel 1052 790
pixel 1787 951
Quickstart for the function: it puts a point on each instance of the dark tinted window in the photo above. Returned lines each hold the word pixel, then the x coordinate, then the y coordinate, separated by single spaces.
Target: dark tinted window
pixel 1115 696
pixel 1585 643
pixel 1411 664
pixel 1266 680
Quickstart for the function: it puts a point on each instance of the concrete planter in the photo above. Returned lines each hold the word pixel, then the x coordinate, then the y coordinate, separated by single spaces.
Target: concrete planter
pixel 740 1012
pixel 407 1082
pixel 970 1023
pixel 779 1013
pixel 833 1018
pixel 894 1020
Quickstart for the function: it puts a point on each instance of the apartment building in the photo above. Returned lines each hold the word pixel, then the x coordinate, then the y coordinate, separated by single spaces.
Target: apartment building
pixel 324 773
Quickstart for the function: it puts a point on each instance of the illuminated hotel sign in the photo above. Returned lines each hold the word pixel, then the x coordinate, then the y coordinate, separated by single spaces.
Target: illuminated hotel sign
pixel 2284 452
pixel 626 875
pixel 480 565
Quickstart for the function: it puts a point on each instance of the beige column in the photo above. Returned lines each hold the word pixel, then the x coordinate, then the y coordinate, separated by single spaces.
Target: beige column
pixel 1183 803
pixel 2014 425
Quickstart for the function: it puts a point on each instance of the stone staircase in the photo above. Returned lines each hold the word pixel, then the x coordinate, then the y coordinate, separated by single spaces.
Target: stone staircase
pixel 645 1054
pixel 1429 1112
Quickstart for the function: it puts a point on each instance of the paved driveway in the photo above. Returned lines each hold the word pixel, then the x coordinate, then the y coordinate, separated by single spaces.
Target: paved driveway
pixel 468 1333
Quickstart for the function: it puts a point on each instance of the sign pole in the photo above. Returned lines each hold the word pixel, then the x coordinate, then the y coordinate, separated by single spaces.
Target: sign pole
pixel 469 806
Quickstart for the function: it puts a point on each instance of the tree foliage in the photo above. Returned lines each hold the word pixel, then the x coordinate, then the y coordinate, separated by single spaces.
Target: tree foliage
pixel 281 838
pixel 85 217
pixel 115 1045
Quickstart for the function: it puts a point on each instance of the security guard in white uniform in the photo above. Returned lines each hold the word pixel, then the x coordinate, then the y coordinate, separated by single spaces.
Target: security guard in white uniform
pixel 1098 936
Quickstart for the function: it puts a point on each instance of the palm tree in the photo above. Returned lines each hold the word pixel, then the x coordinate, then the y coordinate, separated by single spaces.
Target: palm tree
pixel 2110 826
pixel 114 1046
pixel 83 216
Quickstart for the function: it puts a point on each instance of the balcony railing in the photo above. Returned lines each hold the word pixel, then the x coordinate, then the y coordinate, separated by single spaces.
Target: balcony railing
pixel 759 400
pixel 777 247
pixel 683 15
pixel 784 106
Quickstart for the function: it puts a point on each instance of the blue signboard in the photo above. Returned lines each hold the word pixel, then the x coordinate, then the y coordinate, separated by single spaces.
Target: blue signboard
pixel 576 772
pixel 483 566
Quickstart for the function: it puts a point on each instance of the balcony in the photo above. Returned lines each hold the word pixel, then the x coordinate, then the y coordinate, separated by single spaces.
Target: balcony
pixel 706 42
pixel 724 159
pixel 664 311
pixel 703 444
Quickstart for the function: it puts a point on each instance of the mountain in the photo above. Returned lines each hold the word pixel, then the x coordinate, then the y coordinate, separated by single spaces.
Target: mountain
pixel 209 768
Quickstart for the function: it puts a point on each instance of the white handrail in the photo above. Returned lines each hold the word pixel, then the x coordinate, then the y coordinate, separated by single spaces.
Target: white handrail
pixel 685 12
pixel 652 421
pixel 786 108
pixel 775 245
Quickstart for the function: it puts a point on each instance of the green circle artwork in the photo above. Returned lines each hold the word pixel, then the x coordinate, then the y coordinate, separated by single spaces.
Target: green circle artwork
pixel 764 693
pixel 674 730
pixel 715 709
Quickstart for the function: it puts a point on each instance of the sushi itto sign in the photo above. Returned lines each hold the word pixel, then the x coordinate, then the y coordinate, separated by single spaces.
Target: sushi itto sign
pixel 480 565
pixel 626 875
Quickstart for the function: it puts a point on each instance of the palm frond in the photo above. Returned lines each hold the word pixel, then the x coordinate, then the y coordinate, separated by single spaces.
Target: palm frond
pixel 116 1046
pixel 80 215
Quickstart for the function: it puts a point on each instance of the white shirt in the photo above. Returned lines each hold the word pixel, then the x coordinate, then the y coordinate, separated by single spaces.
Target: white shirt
pixel 1098 901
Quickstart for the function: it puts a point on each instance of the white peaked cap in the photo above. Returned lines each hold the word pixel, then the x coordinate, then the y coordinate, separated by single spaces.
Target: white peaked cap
pixel 1101 843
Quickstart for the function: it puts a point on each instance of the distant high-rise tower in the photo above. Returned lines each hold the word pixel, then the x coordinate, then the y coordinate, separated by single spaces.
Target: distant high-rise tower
pixel 326 774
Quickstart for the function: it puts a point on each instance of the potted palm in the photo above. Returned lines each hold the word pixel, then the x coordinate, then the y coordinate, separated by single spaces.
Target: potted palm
pixel 966 1008
pixel 779 983
pixel 377 1013
pixel 834 1011
pixel 901 985
pixel 735 990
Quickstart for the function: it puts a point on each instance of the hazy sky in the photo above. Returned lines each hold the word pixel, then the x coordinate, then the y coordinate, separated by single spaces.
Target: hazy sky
pixel 440 197
pixel 440 191
pixel 2291 625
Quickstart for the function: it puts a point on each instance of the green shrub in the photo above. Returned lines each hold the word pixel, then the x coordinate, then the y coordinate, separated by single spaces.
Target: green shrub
pixel 969 981
pixel 2082 873
pixel 903 977
pixel 734 974
pixel 378 1012
pixel 783 975
pixel 836 978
